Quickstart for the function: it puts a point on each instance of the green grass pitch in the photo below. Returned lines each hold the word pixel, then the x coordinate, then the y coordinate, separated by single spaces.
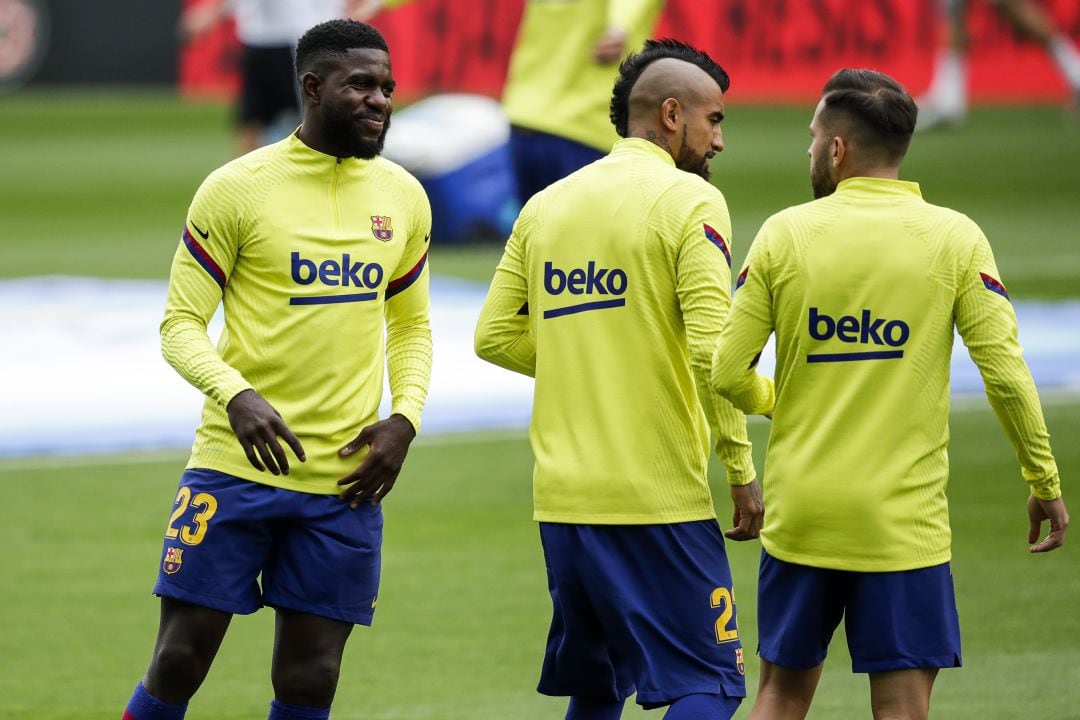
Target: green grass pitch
pixel 463 611
pixel 97 183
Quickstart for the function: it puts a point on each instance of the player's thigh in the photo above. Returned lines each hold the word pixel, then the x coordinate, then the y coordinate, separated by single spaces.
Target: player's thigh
pixel 327 559
pixel 578 660
pixel 669 607
pixel 903 620
pixel 216 541
pixel 799 608
pixel 902 694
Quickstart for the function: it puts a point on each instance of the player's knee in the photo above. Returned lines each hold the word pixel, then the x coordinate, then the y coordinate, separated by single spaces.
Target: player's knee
pixel 308 684
pixel 176 671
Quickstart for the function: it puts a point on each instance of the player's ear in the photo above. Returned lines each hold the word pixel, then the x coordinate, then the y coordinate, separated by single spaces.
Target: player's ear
pixel 310 83
pixel 670 112
pixel 839 151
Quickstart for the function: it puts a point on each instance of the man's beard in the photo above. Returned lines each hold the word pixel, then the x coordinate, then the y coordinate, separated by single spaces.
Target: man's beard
pixel 342 132
pixel 820 180
pixel 692 162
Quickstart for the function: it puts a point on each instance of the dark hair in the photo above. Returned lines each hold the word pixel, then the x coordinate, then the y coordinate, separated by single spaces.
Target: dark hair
pixel 878 110
pixel 335 38
pixel 634 65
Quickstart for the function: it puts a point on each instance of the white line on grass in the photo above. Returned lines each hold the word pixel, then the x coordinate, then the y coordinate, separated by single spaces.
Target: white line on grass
pixel 964 403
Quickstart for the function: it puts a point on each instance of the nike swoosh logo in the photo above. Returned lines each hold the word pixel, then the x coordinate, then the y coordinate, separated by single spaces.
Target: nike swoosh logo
pixel 427 237
pixel 203 235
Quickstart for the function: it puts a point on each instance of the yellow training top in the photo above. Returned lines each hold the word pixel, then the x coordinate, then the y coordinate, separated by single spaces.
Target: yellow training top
pixel 611 292
pixel 554 85
pixel 316 260
pixel 863 289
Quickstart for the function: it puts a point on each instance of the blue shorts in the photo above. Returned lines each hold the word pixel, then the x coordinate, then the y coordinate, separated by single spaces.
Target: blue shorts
pixel 893 620
pixel 540 159
pixel 316 554
pixel 645 608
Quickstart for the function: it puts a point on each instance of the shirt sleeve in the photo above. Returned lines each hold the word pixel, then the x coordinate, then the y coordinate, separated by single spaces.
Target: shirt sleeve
pixel 408 326
pixel 702 279
pixel 204 261
pixel 745 334
pixel 503 333
pixel 987 324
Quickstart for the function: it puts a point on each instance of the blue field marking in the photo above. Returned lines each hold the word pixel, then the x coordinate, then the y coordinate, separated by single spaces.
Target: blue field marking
pixel 84 372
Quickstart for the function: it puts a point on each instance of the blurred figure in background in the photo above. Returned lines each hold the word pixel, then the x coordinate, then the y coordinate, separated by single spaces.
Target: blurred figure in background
pixel 268 31
pixel 945 102
pixel 558 87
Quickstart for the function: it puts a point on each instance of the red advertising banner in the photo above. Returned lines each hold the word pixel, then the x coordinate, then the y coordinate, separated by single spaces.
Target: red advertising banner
pixel 775 50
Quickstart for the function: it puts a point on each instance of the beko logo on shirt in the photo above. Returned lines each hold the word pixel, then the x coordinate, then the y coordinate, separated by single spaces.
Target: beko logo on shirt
pixel 864 330
pixel 590 280
pixel 335 273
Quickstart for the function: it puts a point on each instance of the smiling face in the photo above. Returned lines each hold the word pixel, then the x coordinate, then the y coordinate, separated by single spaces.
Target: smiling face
pixel 355 99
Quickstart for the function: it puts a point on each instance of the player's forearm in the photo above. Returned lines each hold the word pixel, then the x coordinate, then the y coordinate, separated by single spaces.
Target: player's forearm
pixel 186 346
pixel 503 336
pixel 408 357
pixel 728 425
pixel 1019 411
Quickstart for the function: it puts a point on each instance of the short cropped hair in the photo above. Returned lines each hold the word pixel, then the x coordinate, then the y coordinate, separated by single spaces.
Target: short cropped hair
pixel 335 38
pixel 876 109
pixel 634 65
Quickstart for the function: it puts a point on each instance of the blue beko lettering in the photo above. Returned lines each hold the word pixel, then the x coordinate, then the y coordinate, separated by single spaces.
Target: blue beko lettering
pixel 864 329
pixel 335 273
pixel 589 280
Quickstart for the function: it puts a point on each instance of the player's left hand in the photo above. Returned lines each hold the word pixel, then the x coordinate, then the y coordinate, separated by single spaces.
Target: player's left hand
pixel 610 47
pixel 1055 512
pixel 388 441
pixel 749 513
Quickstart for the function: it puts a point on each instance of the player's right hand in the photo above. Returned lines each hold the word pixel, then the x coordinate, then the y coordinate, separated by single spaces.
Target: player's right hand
pixel 1055 512
pixel 258 426
pixel 749 513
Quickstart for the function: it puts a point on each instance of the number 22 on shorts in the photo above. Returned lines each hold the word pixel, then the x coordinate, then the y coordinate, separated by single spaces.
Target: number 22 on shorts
pixel 724 599
pixel 193 534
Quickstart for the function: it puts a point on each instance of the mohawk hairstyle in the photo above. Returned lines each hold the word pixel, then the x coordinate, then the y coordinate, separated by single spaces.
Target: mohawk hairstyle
pixel 634 65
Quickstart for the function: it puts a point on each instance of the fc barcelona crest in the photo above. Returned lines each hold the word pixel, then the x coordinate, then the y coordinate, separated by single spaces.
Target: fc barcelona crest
pixel 380 227
pixel 739 661
pixel 174 557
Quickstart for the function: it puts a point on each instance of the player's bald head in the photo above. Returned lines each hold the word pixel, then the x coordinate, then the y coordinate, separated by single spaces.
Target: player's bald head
pixel 663 79
pixel 663 69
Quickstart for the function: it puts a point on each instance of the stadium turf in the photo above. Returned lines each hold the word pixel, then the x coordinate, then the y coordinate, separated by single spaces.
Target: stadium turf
pixel 463 610
pixel 97 184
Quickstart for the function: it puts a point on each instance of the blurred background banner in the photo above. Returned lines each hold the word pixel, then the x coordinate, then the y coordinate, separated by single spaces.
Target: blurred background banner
pixel 776 51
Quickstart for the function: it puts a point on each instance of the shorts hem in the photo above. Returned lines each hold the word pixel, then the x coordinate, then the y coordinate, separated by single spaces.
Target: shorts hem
pixel 658 699
pixel 789 662
pixel 550 690
pixel 203 600
pixel 952 660
pixel 361 618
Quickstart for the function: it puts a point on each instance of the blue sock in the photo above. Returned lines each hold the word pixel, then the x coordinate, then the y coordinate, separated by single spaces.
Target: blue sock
pixel 583 708
pixel 285 711
pixel 703 706
pixel 144 706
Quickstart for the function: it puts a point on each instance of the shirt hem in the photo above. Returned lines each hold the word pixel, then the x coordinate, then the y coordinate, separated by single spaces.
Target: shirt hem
pixel 622 518
pixel 846 564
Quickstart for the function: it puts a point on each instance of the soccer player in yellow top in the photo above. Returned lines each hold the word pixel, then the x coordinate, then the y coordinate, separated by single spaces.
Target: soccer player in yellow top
pixel 611 293
pixel 863 288
pixel 564 62
pixel 317 249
